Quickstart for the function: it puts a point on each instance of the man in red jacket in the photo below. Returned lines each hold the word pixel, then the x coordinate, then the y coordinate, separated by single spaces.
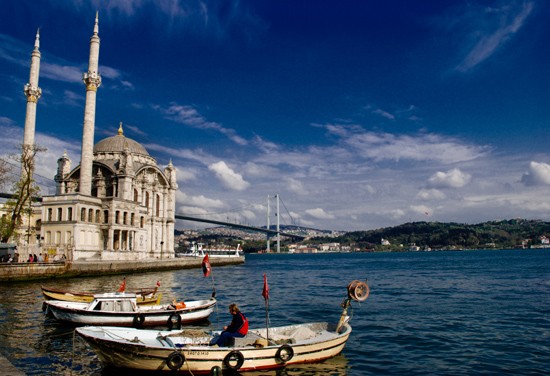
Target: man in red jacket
pixel 238 328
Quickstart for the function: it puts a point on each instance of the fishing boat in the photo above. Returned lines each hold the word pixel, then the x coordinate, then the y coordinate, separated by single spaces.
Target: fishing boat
pixel 121 309
pixel 199 250
pixel 188 351
pixel 143 296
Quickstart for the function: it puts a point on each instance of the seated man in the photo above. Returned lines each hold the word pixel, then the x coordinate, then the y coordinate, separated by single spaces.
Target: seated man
pixel 237 328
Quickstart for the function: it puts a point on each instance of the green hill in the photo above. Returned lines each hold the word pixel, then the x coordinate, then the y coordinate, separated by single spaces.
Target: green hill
pixel 435 235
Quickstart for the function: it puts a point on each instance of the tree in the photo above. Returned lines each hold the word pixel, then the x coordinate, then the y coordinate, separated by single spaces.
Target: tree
pixel 5 169
pixel 24 190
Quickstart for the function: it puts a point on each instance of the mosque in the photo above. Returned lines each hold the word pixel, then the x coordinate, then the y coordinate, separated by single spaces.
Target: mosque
pixel 117 204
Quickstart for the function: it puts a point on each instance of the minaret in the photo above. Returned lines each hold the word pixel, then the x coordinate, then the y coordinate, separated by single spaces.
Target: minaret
pixel 92 80
pixel 33 93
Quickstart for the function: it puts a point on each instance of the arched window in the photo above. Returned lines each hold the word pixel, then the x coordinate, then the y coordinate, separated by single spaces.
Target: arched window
pixel 136 195
pixel 132 219
pixel 124 218
pixel 97 216
pixel 90 215
pixel 141 222
pixel 69 214
pixel 50 214
pixel 117 215
pixel 59 214
pixel 106 216
pixel 83 214
pixel 147 199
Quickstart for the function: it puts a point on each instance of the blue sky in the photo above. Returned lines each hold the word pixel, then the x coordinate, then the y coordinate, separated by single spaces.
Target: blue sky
pixel 359 114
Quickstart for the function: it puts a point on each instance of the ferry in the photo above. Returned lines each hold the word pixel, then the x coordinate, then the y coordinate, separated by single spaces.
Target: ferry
pixel 199 250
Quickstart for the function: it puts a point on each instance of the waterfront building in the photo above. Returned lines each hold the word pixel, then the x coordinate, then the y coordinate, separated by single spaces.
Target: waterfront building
pixel 116 204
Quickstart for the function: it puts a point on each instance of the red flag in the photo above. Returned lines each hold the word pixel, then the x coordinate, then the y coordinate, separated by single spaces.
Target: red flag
pixel 206 268
pixel 158 283
pixel 265 292
pixel 122 287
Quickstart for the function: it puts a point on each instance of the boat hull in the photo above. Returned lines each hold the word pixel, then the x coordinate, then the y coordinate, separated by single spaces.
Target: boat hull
pixel 77 313
pixel 142 298
pixel 155 353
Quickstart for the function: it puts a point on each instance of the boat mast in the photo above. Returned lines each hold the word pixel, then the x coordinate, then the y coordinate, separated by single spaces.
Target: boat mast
pixel 267 234
pixel 278 226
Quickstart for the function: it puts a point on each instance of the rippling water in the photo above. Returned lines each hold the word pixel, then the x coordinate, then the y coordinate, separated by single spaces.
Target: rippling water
pixel 438 313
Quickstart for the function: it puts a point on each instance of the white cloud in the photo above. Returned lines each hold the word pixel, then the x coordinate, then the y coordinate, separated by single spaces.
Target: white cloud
pixel 384 114
pixel 421 209
pixel 420 147
pixel 430 194
pixel 491 29
pixel 186 174
pixel 58 72
pixel 295 186
pixel 189 115
pixel 451 179
pixel 319 213
pixel 537 174
pixel 397 214
pixel 229 178
pixel 205 202
pixel 6 121
pixel 73 99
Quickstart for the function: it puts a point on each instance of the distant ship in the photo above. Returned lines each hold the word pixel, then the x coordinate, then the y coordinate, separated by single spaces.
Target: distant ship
pixel 199 250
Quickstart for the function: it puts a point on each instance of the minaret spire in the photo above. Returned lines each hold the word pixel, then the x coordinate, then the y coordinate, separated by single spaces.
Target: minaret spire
pixel 92 80
pixel 33 93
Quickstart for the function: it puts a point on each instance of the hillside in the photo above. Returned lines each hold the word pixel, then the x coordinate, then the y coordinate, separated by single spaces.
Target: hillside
pixel 436 235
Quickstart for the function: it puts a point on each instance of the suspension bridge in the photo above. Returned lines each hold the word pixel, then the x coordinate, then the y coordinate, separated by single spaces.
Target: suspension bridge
pixel 268 230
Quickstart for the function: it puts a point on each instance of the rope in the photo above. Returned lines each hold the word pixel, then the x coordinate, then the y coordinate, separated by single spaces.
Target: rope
pixel 72 357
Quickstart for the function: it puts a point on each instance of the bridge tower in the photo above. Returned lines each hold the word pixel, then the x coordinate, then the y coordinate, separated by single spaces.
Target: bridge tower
pixel 278 223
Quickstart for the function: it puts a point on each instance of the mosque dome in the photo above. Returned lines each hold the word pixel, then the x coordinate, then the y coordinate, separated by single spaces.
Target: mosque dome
pixel 117 144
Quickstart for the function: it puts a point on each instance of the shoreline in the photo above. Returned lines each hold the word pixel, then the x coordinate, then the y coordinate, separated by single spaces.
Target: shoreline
pixel 24 271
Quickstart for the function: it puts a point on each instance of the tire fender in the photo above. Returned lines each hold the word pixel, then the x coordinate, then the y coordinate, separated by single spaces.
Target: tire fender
pixel 174 321
pixel 175 360
pixel 284 353
pixel 139 319
pixel 231 357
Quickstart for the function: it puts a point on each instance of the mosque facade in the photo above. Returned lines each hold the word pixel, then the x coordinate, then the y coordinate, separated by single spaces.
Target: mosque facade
pixel 117 204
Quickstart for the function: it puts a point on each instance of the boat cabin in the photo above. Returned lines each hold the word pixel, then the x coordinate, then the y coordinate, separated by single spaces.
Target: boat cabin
pixel 114 302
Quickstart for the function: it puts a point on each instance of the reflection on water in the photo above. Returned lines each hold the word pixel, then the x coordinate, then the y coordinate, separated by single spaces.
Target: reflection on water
pixel 336 366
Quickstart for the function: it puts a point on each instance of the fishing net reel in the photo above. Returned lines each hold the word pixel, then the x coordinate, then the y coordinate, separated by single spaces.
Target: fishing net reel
pixel 358 291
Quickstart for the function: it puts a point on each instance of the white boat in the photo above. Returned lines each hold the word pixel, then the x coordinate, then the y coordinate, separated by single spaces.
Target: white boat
pixel 121 309
pixel 187 351
pixel 200 250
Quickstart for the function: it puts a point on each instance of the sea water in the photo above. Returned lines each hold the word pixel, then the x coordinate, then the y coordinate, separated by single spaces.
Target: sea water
pixel 428 313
